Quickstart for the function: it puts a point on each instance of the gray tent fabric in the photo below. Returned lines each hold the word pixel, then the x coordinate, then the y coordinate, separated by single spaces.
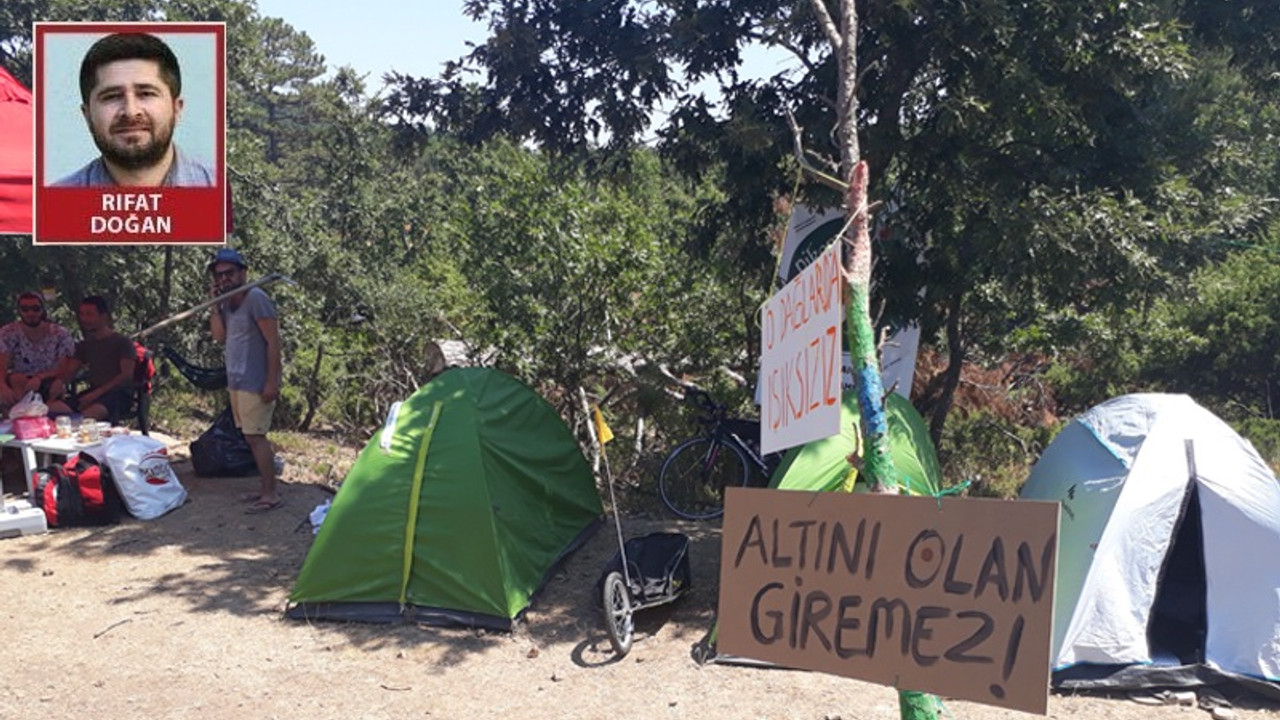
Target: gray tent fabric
pixel 1169 552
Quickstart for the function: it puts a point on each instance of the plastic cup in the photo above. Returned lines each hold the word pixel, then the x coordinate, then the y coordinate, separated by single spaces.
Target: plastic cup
pixel 62 426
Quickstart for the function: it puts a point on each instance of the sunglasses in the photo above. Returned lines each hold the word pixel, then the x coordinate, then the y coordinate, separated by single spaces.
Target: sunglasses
pixel 29 308
pixel 225 274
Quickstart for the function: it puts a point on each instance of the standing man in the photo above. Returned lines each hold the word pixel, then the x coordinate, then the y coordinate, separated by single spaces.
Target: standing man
pixel 110 358
pixel 246 324
pixel 33 353
pixel 131 99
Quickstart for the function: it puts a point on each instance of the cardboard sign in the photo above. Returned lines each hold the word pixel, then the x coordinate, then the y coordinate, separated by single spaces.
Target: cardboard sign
pixel 950 596
pixel 800 348
pixel 132 150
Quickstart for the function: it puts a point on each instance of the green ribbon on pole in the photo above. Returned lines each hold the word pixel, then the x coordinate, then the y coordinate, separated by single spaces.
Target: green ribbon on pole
pixel 877 461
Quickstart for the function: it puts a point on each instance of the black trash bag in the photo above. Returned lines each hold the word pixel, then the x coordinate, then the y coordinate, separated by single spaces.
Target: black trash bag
pixel 222 451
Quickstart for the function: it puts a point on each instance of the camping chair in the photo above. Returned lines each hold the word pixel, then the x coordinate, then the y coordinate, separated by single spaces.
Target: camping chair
pixel 143 372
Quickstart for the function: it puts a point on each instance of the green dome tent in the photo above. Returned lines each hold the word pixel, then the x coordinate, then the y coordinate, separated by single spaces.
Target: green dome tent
pixel 821 465
pixel 454 513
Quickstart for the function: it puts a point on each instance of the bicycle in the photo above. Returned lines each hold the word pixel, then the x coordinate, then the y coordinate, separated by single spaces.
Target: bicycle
pixel 695 473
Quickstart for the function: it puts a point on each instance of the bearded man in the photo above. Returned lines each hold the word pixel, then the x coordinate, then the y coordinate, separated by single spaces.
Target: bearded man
pixel 33 353
pixel 131 99
pixel 110 358
pixel 247 325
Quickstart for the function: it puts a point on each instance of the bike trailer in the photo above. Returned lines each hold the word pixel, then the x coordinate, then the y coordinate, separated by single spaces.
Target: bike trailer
pixel 657 568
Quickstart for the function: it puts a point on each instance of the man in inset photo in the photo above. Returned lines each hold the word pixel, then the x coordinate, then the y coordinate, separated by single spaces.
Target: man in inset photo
pixel 131 93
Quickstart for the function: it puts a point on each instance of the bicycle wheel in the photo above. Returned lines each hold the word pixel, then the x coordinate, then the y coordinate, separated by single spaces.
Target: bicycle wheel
pixel 617 613
pixel 695 474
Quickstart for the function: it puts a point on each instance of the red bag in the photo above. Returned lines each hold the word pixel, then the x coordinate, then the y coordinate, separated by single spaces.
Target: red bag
pixel 32 428
pixel 77 493
pixel 145 369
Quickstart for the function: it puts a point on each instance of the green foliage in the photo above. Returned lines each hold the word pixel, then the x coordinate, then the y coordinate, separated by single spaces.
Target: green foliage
pixel 1071 180
pixel 1264 434
pixel 578 275
pixel 181 411
pixel 1049 166
pixel 1217 339
pixel 995 455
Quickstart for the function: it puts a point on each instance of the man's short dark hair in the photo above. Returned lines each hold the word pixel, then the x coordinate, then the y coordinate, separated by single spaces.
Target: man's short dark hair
pixel 44 312
pixel 104 308
pixel 129 46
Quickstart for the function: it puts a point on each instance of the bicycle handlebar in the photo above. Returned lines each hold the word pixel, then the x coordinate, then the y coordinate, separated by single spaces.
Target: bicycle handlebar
pixel 701 399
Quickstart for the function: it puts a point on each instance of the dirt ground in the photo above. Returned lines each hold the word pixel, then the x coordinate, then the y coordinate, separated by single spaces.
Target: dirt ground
pixel 181 617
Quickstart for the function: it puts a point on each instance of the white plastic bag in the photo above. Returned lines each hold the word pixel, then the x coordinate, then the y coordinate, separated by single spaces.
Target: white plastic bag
pixel 31 405
pixel 318 515
pixel 146 481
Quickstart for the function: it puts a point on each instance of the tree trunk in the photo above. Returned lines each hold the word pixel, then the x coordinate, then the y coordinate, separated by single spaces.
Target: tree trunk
pixel 313 391
pixel 877 462
pixel 71 288
pixel 847 89
pixel 951 378
pixel 166 284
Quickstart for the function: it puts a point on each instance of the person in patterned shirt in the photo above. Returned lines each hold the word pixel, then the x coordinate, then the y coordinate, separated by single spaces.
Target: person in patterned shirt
pixel 33 353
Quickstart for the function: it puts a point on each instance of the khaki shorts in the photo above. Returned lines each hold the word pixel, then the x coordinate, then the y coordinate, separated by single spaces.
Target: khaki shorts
pixel 253 416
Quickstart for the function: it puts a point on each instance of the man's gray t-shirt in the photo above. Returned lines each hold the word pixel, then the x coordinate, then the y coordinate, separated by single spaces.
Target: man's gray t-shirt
pixel 246 351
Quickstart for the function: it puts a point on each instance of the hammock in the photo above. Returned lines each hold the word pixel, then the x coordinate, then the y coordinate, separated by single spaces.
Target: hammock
pixel 202 377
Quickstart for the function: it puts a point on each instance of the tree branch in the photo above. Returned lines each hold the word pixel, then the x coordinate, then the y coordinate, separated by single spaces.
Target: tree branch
pixel 828 25
pixel 777 40
pixel 807 166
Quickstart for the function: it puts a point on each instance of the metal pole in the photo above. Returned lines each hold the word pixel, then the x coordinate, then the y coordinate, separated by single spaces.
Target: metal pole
pixel 273 277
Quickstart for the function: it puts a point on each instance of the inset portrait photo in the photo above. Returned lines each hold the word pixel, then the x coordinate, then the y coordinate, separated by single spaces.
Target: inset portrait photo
pixel 130 133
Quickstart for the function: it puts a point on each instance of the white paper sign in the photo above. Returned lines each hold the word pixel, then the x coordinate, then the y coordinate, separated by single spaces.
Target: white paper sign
pixel 800 356
pixel 811 229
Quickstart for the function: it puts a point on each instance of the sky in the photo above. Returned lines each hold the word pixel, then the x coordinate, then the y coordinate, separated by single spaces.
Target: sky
pixel 415 37
pixel 374 36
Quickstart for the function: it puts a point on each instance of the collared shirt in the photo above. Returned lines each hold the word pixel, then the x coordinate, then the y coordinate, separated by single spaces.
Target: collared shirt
pixel 184 172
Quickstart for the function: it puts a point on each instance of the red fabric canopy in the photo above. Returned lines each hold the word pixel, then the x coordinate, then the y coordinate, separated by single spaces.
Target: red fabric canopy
pixel 17 118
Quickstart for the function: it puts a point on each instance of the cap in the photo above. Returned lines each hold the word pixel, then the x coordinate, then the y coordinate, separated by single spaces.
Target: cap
pixel 227 255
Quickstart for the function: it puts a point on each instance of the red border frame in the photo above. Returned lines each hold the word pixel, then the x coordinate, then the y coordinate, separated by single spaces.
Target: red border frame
pixel 198 216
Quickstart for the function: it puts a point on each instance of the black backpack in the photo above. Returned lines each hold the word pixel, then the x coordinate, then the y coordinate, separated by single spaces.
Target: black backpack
pixel 78 493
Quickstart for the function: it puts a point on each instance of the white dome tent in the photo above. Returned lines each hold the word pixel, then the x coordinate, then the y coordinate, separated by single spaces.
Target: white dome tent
pixel 1169 550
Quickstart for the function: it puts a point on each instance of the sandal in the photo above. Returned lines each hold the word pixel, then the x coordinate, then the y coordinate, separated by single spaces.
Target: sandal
pixel 249 497
pixel 261 506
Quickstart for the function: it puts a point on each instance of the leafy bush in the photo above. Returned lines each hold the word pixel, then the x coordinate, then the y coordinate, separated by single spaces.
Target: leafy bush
pixel 994 454
pixel 1264 433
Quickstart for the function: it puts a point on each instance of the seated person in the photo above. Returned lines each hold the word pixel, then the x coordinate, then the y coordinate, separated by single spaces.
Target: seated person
pixel 33 353
pixel 110 358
